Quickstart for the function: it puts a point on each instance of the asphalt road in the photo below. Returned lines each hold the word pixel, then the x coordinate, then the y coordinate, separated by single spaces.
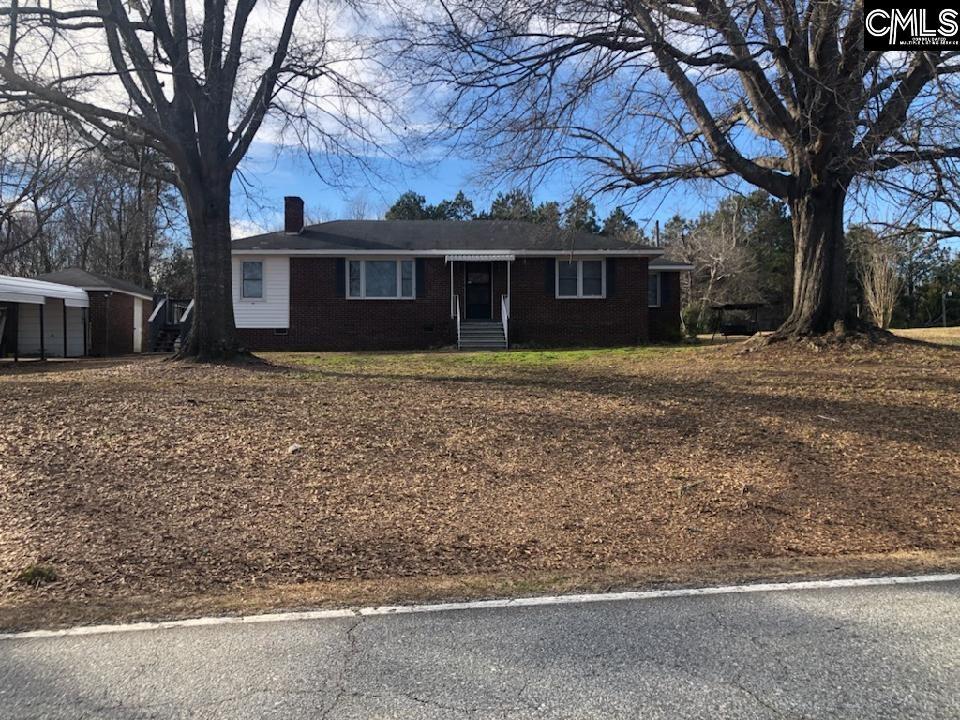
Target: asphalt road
pixel 879 652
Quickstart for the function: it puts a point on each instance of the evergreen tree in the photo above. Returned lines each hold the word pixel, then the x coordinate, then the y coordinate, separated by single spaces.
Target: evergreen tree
pixel 580 214
pixel 460 208
pixel 618 224
pixel 517 204
pixel 409 206
pixel 175 274
pixel 548 213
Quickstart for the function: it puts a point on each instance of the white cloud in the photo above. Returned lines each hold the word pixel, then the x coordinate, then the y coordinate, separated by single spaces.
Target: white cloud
pixel 244 227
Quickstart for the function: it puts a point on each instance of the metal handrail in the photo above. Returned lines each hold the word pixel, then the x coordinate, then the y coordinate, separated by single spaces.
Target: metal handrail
pixel 456 310
pixel 156 310
pixel 505 317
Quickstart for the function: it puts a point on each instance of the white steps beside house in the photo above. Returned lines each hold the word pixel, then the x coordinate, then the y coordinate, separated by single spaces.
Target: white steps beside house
pixel 482 335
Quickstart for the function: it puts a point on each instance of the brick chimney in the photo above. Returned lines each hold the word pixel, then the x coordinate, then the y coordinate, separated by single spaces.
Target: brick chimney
pixel 293 214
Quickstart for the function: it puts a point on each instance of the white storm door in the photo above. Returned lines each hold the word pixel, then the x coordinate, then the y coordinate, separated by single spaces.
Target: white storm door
pixel 137 325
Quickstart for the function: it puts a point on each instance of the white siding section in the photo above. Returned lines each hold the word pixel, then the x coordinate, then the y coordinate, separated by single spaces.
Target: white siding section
pixel 53 327
pixel 29 332
pixel 273 310
pixel 28 335
pixel 75 332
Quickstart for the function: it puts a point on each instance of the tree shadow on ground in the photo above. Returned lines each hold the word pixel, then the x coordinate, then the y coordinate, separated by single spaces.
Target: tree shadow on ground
pixel 400 477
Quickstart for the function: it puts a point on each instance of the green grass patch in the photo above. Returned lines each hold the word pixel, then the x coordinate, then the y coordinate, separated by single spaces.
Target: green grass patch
pixel 937 335
pixel 446 363
pixel 37 575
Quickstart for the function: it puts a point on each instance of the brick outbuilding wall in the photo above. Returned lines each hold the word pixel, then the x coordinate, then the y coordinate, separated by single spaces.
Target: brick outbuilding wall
pixel 111 323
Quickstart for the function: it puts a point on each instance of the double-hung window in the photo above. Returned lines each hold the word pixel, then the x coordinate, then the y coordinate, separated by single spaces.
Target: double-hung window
pixel 581 279
pixel 252 287
pixel 380 279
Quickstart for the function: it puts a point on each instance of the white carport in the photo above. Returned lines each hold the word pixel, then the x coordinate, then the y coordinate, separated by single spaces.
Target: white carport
pixel 42 318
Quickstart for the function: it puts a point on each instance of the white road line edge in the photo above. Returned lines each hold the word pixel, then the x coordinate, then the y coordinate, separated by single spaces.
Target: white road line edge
pixel 536 601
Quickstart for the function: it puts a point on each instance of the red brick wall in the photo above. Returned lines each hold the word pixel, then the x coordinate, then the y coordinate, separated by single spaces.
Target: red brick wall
pixel 538 317
pixel 320 320
pixel 111 323
pixel 665 320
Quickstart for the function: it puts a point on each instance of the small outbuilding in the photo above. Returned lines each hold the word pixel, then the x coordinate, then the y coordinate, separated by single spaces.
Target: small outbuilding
pixel 42 319
pixel 72 313
pixel 119 311
pixel 737 318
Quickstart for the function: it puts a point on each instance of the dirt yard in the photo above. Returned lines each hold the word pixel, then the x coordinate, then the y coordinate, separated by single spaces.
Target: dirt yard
pixel 139 488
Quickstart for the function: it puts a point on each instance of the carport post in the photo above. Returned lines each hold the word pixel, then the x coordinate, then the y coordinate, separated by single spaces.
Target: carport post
pixel 84 318
pixel 16 334
pixel 64 328
pixel 43 350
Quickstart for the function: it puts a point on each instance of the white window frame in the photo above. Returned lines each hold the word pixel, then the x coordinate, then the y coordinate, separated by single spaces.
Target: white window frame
pixel 659 289
pixel 263 282
pixel 363 278
pixel 579 262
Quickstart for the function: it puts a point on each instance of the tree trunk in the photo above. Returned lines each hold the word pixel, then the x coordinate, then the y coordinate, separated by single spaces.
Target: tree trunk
pixel 213 333
pixel 705 301
pixel 820 265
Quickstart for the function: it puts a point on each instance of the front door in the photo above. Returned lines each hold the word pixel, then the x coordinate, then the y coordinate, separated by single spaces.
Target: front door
pixel 478 291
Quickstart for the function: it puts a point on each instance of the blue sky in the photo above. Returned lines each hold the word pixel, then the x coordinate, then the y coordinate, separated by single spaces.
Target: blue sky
pixel 267 178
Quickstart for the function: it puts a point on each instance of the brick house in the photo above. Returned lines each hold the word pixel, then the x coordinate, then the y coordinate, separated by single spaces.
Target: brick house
pixel 402 284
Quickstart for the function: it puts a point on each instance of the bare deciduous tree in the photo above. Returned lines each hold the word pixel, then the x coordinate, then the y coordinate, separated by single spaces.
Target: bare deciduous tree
pixel 194 83
pixel 723 266
pixel 878 260
pixel 37 158
pixel 359 208
pixel 780 94
pixel 66 206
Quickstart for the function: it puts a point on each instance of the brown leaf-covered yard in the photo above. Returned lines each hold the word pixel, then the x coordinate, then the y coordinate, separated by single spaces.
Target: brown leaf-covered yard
pixel 156 488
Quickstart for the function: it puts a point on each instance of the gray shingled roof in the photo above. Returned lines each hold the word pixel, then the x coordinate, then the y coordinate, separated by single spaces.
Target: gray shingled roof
pixel 93 281
pixel 434 235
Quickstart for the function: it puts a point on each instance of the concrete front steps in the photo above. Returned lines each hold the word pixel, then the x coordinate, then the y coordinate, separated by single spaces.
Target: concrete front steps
pixel 482 335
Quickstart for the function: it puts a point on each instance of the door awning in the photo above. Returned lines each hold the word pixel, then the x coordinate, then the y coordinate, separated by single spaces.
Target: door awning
pixel 479 257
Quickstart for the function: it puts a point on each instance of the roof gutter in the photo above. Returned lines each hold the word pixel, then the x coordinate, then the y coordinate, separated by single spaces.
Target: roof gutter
pixel 640 252
pixel 679 267
pixel 116 290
